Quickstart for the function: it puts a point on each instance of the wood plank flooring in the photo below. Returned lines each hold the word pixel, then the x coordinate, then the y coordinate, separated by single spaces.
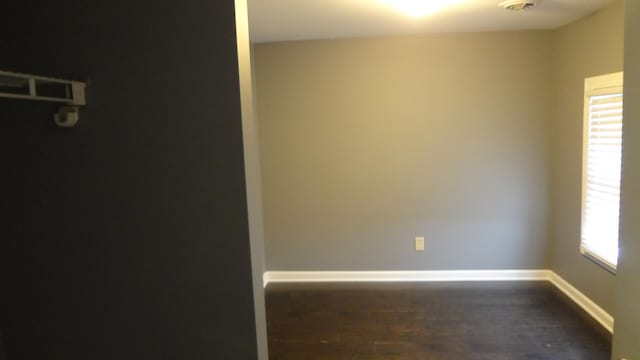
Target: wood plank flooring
pixel 487 320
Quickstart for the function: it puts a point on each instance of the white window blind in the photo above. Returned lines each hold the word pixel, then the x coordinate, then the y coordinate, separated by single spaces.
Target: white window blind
pixel 602 169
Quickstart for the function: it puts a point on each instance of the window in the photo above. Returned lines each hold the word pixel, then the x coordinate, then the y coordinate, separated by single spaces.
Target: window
pixel 601 169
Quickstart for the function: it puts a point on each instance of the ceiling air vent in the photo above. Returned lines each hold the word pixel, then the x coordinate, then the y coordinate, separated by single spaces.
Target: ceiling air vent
pixel 517 5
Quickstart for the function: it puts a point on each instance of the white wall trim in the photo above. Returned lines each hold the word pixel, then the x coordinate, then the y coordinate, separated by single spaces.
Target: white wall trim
pixel 583 301
pixel 403 276
pixel 574 294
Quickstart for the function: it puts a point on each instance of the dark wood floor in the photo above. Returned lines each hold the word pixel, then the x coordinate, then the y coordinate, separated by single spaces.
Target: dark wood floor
pixel 493 321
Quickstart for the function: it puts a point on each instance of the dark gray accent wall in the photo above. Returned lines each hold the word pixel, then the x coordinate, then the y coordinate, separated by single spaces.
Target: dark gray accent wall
pixel 2 357
pixel 126 237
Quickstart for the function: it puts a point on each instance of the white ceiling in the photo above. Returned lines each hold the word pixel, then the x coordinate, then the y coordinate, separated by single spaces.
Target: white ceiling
pixel 282 20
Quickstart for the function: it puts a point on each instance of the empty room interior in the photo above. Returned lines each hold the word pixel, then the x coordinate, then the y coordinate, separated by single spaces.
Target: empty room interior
pixel 422 178
pixel 356 179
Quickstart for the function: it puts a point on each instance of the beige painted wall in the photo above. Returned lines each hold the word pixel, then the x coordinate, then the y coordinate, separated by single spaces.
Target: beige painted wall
pixel 626 342
pixel 592 46
pixel 252 174
pixel 367 143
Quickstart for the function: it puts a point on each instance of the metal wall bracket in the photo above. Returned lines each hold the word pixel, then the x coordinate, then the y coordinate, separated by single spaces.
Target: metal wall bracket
pixel 33 87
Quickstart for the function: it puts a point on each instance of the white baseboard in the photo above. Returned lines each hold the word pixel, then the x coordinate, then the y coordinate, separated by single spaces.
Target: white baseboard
pixel 574 294
pixel 583 301
pixel 403 276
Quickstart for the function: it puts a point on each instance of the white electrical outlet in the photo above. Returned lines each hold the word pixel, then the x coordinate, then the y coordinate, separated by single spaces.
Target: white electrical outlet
pixel 419 243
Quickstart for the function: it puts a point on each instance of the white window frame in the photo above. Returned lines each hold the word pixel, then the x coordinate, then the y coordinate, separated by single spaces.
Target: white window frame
pixel 595 86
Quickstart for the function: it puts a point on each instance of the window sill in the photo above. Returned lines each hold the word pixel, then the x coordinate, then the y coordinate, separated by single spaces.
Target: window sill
pixel 598 261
